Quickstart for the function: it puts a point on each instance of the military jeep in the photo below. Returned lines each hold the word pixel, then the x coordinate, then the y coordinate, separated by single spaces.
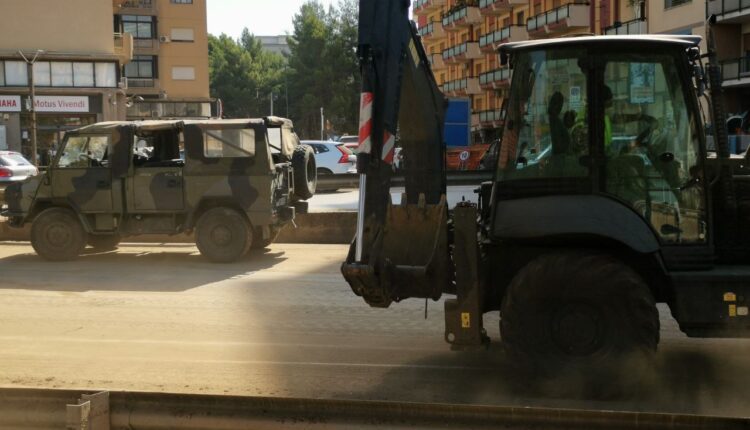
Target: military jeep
pixel 233 183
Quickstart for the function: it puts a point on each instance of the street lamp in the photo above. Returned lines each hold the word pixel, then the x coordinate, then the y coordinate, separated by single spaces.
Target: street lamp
pixel 32 96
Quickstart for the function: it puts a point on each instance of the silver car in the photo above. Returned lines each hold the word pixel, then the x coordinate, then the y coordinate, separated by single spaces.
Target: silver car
pixel 14 167
pixel 332 158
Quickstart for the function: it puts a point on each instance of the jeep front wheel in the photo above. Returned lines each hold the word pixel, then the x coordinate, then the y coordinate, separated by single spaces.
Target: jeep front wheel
pixel 259 242
pixel 223 235
pixel 57 235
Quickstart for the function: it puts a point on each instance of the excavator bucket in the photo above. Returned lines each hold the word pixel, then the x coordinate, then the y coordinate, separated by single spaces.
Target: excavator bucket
pixel 409 256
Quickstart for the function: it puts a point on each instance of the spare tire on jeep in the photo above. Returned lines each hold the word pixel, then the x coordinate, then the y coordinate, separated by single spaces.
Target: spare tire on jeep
pixel 305 174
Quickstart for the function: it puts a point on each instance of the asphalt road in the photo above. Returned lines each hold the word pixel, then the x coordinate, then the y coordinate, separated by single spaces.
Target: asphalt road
pixel 284 323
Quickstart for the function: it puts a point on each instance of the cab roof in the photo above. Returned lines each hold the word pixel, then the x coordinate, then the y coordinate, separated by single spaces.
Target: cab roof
pixel 685 41
pixel 152 125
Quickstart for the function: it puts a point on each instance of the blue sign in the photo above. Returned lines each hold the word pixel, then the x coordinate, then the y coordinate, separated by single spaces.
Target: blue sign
pixel 457 130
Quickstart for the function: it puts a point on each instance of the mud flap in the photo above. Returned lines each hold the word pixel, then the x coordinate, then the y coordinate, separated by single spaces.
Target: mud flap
pixel 463 315
pixel 408 257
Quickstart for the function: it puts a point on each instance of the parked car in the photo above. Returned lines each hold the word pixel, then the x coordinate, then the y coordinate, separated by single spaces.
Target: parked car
pixel 15 168
pixel 332 158
pixel 351 142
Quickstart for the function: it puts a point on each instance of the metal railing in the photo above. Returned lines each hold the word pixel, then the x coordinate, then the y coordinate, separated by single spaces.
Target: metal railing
pixel 491 115
pixel 735 69
pixel 634 26
pixel 721 7
pixel 495 36
pixel 427 29
pixel 494 76
pixel 138 4
pixel 141 82
pixel 455 15
pixel 455 50
pixel 455 85
pixel 551 17
pixel 486 3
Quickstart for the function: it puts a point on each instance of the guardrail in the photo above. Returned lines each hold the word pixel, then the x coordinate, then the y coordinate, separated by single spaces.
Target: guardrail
pixel 72 409
pixel 459 177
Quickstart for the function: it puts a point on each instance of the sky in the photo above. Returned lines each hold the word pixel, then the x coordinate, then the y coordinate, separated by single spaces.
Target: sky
pixel 261 17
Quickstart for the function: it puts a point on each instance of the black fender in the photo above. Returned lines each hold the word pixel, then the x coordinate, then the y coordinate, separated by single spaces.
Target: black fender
pixel 572 215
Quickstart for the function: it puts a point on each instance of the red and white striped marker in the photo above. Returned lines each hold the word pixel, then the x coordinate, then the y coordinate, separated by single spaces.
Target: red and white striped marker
pixel 389 146
pixel 365 123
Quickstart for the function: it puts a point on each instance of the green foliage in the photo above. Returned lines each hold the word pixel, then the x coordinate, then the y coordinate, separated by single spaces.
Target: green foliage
pixel 321 70
pixel 244 76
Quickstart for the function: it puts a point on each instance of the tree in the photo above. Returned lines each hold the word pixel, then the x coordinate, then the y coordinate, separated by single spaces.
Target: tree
pixel 243 75
pixel 323 68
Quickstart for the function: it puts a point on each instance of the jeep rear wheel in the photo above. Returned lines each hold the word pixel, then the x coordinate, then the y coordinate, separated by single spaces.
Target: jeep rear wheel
pixel 582 314
pixel 223 235
pixel 104 242
pixel 57 235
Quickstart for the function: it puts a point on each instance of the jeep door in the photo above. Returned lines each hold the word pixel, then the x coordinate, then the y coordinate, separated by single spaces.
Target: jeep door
pixel 82 175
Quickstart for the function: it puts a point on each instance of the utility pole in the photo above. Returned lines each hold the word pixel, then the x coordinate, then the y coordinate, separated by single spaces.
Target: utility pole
pixel 271 103
pixel 32 96
pixel 322 125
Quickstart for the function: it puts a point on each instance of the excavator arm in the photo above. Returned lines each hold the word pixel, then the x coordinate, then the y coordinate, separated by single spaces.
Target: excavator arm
pixel 399 251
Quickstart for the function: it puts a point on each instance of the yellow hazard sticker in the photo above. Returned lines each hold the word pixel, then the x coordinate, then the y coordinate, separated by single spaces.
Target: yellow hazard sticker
pixel 730 297
pixel 742 311
pixel 732 310
pixel 465 320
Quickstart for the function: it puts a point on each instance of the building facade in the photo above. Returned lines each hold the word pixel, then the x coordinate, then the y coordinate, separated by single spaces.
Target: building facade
pixel 168 76
pixel 461 37
pixel 76 74
pixel 732 33
pixel 275 44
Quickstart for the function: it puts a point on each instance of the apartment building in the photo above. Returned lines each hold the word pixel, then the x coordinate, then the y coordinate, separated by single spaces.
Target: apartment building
pixel 168 76
pixel 732 32
pixel 75 76
pixel 461 37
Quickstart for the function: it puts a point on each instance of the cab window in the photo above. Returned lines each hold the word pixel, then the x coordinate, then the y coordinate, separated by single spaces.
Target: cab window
pixel 232 143
pixel 651 145
pixel 84 151
pixel 546 128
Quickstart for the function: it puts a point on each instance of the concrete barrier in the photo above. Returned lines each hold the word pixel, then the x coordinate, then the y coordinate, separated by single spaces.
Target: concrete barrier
pixel 323 227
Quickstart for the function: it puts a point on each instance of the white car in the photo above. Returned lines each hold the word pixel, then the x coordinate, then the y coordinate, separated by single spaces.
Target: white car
pixel 332 158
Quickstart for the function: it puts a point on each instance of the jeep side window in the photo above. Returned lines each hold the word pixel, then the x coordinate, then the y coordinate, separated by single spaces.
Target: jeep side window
pixel 232 143
pixel 84 151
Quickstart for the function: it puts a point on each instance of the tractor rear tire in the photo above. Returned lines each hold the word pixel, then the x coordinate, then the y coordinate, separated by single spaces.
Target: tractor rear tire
pixel 581 314
pixel 223 235
pixel 57 235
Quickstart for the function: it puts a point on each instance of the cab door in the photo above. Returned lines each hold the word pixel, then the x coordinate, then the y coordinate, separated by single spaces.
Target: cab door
pixel 82 175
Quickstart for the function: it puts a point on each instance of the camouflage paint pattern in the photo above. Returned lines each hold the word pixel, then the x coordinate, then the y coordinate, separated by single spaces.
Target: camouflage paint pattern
pixel 129 199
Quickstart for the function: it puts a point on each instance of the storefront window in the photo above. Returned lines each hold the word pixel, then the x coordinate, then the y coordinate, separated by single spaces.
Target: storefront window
pixel 106 75
pixel 42 74
pixel 62 74
pixel 83 74
pixel 16 73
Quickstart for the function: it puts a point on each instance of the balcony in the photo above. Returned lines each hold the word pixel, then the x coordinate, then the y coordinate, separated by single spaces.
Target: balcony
pixel 136 6
pixel 432 31
pixel 123 47
pixel 498 7
pixel 436 61
pixel 559 20
pixel 462 17
pixel 146 46
pixel 462 53
pixel 462 87
pixel 425 6
pixel 489 42
pixel 730 11
pixel 635 26
pixel 736 72
pixel 143 83
pixel 491 118
pixel 495 79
